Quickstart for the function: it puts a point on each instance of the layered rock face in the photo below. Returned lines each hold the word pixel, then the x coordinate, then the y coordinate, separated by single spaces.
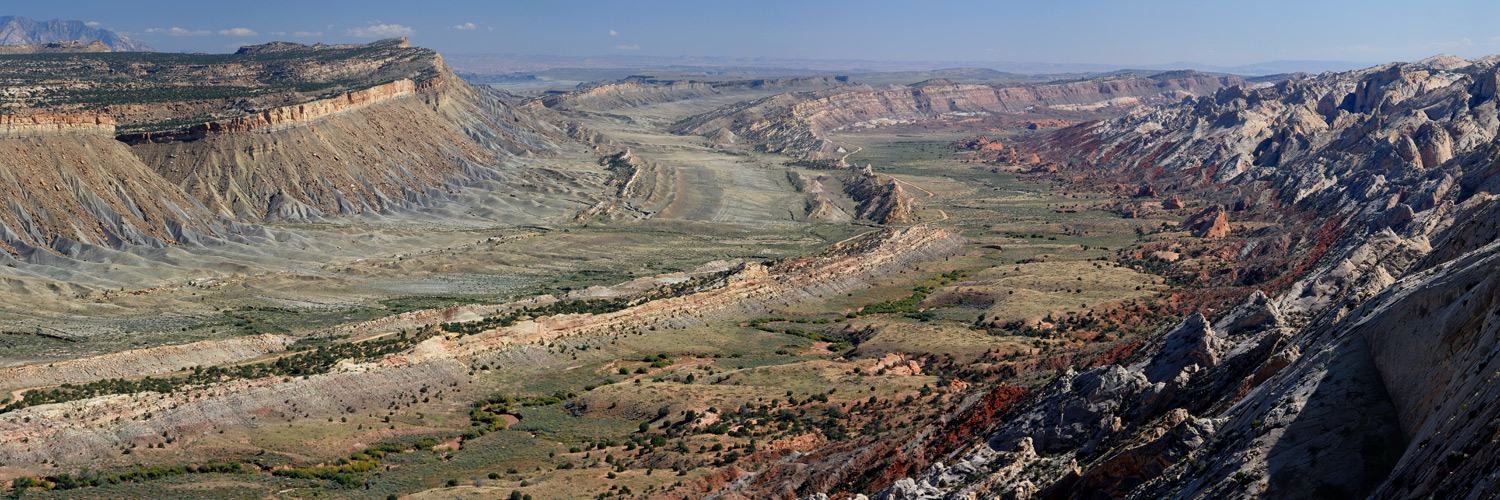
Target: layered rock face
pixel 881 198
pixel 389 129
pixel 1379 137
pixel 796 122
pixel 637 91
pixel 1372 375
pixel 286 116
pixel 392 147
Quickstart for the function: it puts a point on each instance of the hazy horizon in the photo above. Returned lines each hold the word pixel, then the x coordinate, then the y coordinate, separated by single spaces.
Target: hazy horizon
pixel 1119 34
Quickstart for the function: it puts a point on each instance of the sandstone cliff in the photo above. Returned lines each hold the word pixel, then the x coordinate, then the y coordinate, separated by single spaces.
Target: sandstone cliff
pixel 795 122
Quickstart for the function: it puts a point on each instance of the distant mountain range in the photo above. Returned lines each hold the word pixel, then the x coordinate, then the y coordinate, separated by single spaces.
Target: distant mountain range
pixel 17 30
pixel 497 64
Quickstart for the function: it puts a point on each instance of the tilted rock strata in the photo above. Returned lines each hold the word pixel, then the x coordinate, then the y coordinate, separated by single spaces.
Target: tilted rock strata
pixel 881 198
pixel 795 122
pixel 751 290
pixel 96 428
pixel 85 432
pixel 141 362
pixel 1388 390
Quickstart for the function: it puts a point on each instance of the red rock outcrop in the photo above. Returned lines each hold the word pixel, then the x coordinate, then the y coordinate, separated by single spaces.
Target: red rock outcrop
pixel 1211 222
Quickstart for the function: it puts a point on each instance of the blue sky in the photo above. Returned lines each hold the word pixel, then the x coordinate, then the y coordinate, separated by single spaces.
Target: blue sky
pixel 1062 31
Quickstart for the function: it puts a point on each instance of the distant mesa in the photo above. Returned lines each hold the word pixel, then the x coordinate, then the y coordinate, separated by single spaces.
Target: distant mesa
pixel 18 30
pixel 68 47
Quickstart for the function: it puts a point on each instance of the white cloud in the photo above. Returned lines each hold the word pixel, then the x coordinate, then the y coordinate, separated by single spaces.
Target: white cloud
pixel 175 31
pixel 92 23
pixel 305 34
pixel 628 47
pixel 614 33
pixel 238 32
pixel 380 31
pixel 465 26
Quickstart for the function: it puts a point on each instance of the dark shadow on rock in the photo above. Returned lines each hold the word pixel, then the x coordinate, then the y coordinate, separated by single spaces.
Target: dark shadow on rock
pixel 1345 440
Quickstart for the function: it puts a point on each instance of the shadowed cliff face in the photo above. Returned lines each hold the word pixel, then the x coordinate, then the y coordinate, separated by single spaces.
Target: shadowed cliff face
pixel 797 122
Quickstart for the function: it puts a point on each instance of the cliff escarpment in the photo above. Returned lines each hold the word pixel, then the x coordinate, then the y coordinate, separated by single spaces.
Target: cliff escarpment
pixel 642 90
pixel 797 122
pixel 120 149
pixel 390 147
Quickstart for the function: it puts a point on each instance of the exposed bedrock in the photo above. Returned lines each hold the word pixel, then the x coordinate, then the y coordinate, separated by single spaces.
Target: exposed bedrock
pixel 796 122
pixel 1370 375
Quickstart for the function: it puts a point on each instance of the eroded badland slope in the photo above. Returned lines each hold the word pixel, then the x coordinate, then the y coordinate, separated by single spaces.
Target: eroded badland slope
pixel 660 288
